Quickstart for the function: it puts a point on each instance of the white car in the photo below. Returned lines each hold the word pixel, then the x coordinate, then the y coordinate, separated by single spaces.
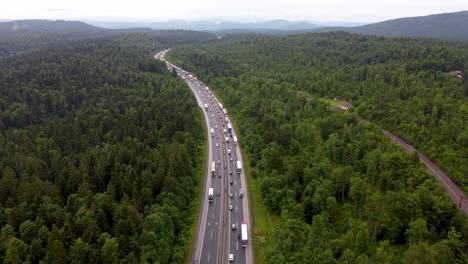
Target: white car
pixel 217 144
pixel 230 207
pixel 231 257
pixel 234 227
pixel 229 151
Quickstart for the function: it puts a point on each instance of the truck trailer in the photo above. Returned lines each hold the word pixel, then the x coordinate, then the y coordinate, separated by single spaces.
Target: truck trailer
pixel 244 234
pixel 239 166
pixel 210 195
pixel 213 168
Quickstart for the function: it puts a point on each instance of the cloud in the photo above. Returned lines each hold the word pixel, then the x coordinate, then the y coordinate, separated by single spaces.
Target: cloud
pixel 357 10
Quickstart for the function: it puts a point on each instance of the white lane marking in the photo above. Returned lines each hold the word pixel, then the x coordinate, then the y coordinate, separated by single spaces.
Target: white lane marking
pixel 236 208
pixel 209 255
pixel 216 223
pixel 211 236
pixel 237 245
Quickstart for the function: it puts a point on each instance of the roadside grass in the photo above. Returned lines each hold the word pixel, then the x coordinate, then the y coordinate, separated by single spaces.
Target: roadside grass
pixel 331 102
pixel 263 221
pixel 201 172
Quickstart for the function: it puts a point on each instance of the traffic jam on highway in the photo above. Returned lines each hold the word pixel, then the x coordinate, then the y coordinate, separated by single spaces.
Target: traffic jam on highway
pixel 225 168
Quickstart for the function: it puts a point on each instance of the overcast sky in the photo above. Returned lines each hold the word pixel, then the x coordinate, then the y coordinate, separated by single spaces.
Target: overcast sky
pixel 157 10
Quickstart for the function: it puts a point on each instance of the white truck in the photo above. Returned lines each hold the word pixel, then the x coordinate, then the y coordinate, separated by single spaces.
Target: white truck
pixel 244 234
pixel 239 166
pixel 235 140
pixel 210 195
pixel 213 168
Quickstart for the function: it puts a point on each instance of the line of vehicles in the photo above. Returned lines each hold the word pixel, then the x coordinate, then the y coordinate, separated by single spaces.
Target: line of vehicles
pixel 221 112
pixel 228 132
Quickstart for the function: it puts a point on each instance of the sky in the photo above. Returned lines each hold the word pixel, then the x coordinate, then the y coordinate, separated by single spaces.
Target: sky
pixel 239 10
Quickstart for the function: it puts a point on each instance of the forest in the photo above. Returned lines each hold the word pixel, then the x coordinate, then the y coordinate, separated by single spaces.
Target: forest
pixel 99 151
pixel 400 84
pixel 344 192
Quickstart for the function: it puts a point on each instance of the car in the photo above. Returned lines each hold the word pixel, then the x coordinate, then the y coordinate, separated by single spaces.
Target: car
pixel 218 193
pixel 231 257
pixel 211 114
pixel 231 182
pixel 229 151
pixel 234 227
pixel 219 161
pixel 216 127
pixel 230 173
pixel 232 160
pixel 230 207
pixel 217 144
pixel 230 195
pixel 241 193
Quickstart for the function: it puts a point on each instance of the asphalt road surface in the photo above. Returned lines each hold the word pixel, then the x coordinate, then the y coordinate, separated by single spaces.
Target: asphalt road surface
pixel 216 237
pixel 455 193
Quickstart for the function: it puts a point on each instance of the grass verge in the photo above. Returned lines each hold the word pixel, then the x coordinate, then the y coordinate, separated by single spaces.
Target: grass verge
pixel 264 224
pixel 201 172
pixel 263 221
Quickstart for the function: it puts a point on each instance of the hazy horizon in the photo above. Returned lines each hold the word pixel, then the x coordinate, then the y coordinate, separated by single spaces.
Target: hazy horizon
pixel 359 11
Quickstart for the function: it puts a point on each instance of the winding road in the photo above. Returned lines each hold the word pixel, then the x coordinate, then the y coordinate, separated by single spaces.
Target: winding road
pixel 455 193
pixel 219 228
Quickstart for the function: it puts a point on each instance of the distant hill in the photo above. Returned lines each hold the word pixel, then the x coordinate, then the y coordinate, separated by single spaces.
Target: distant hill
pixel 37 28
pixel 21 36
pixel 224 25
pixel 24 35
pixel 448 26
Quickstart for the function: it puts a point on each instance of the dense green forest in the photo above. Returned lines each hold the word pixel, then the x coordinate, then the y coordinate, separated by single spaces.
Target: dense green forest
pixel 99 146
pixel 344 192
pixel 399 84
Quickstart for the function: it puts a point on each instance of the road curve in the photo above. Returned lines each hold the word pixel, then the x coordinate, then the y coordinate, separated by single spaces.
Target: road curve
pixel 216 239
pixel 455 193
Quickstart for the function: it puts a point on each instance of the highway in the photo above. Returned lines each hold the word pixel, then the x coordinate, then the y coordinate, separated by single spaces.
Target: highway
pixel 217 238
